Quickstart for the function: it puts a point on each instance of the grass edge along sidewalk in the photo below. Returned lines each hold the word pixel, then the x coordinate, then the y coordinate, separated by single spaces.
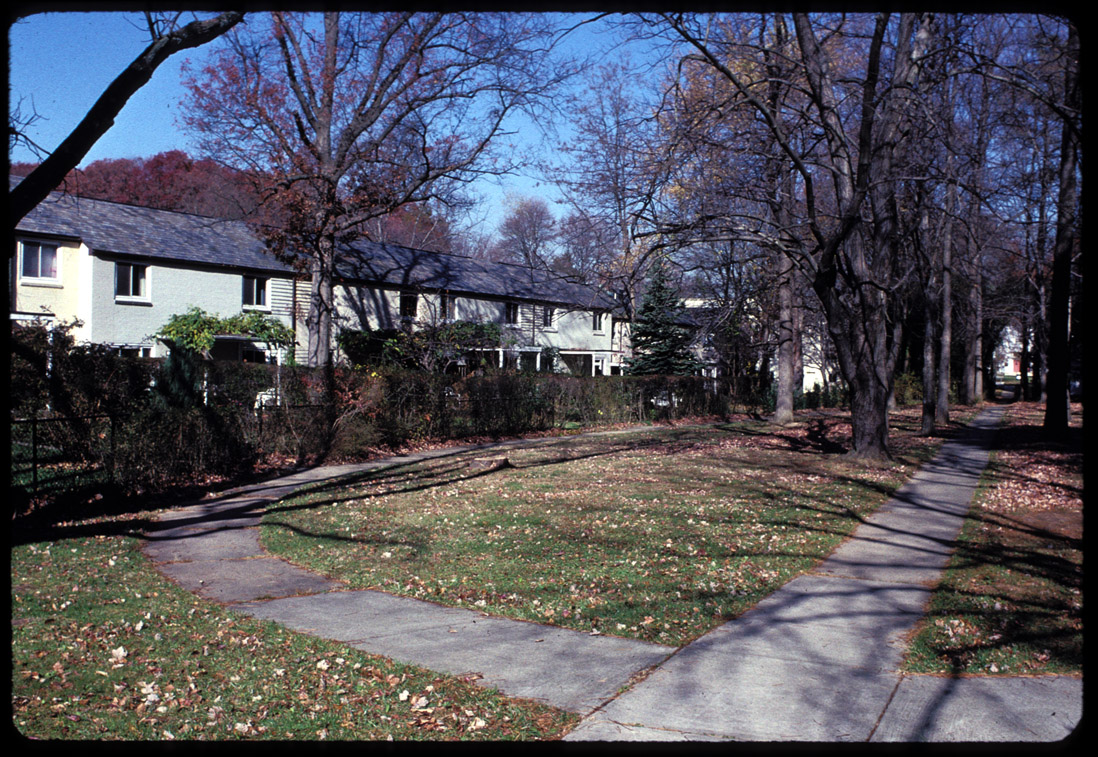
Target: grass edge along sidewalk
pixel 1011 599
pixel 48 688
pixel 103 647
pixel 658 535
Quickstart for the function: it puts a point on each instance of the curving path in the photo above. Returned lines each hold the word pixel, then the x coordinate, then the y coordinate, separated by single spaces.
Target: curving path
pixel 815 661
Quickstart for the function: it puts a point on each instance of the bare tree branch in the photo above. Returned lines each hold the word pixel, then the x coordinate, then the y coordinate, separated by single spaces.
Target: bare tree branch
pixel 44 179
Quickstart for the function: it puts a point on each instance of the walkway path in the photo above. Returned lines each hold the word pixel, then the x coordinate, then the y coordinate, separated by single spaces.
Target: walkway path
pixel 815 661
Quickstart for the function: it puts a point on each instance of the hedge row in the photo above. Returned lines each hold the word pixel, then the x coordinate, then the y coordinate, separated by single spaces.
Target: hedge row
pixel 182 419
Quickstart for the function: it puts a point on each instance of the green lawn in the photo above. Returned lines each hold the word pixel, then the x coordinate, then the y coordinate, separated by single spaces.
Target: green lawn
pixel 104 648
pixel 658 535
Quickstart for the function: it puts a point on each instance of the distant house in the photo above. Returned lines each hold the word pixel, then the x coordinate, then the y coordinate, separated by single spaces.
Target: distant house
pixel 123 271
pixel 387 286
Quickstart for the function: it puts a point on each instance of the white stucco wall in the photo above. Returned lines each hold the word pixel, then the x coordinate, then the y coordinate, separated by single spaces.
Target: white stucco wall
pixel 59 297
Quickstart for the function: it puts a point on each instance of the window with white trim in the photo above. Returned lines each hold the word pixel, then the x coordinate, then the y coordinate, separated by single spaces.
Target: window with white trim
pixel 255 292
pixel 511 314
pixel 596 320
pixel 547 314
pixel 134 351
pixel 131 281
pixel 445 307
pixel 39 261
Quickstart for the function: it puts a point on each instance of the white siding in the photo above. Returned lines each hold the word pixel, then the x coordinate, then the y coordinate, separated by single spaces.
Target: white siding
pixel 172 290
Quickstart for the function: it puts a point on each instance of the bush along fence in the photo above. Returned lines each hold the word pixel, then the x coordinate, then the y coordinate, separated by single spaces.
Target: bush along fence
pixel 242 414
pixel 85 418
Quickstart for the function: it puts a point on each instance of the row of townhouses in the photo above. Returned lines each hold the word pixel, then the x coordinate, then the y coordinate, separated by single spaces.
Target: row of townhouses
pixel 122 271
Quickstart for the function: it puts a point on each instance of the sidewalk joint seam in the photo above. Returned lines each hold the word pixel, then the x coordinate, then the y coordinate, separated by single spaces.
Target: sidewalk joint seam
pixel 884 709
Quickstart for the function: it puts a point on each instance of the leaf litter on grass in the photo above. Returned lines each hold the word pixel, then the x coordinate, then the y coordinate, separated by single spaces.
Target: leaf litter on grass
pixel 105 648
pixel 658 535
pixel 1011 599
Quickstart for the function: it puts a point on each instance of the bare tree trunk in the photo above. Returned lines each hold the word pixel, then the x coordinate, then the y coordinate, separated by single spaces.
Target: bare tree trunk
pixel 1026 363
pixel 1040 307
pixel 974 376
pixel 319 321
pixel 930 287
pixel 1058 407
pixel 783 411
pixel 929 369
pixel 945 310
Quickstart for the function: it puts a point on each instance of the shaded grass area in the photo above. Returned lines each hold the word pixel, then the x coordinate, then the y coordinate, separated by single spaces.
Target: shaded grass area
pixel 1011 600
pixel 659 535
pixel 104 648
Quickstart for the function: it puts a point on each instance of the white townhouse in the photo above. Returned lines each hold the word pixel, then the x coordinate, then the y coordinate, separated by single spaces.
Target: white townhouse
pixel 388 286
pixel 123 271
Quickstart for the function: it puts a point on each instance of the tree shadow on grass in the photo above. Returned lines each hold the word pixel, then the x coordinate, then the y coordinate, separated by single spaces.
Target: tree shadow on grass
pixel 82 515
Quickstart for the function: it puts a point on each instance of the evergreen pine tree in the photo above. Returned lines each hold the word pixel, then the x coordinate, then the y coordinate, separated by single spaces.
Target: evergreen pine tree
pixel 661 343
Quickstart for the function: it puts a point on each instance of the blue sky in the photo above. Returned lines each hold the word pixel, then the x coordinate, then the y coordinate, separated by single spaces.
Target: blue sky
pixel 61 82
pixel 62 87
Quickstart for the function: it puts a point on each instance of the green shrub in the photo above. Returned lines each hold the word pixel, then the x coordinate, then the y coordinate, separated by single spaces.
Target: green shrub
pixel 52 375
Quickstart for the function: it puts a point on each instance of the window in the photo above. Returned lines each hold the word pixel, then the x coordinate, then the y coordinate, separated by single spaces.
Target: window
pixel 252 354
pixel 39 261
pixel 255 292
pixel 445 307
pixel 134 351
pixel 596 321
pixel 409 305
pixel 511 315
pixel 547 317
pixel 131 281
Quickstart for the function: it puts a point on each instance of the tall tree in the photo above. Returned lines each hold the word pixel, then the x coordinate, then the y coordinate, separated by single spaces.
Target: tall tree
pixel 527 234
pixel 611 175
pixel 851 252
pixel 347 117
pixel 661 340
pixel 1058 407
pixel 421 227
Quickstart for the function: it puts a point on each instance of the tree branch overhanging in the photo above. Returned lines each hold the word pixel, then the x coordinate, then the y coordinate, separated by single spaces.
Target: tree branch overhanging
pixel 44 179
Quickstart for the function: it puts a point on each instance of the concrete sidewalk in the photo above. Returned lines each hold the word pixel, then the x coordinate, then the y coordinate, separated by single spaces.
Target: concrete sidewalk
pixel 815 661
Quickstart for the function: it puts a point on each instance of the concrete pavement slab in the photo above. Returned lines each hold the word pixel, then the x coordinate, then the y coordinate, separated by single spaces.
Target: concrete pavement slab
pixel 231 581
pixel 826 621
pixel 188 546
pixel 933 708
pixel 568 669
pixel 597 728
pixel 749 698
pixel 190 528
pixel 815 661
pixel 875 560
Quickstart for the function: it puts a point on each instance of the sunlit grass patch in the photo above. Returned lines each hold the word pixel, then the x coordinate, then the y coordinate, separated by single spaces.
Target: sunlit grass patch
pixel 658 535
pixel 104 648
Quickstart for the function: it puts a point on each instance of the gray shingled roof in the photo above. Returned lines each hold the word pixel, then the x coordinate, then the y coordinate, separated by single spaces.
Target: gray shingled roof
pixel 109 227
pixel 404 267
